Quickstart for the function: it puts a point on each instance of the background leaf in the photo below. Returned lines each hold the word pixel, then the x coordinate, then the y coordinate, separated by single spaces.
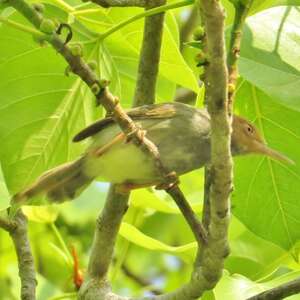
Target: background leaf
pixel 267 192
pixel 269 54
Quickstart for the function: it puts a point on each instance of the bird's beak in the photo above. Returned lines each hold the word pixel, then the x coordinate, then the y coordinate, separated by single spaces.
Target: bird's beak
pixel 264 149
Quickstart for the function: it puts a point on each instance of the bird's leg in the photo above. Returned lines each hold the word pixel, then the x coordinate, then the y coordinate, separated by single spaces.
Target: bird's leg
pixel 139 132
pixel 170 180
pixel 118 138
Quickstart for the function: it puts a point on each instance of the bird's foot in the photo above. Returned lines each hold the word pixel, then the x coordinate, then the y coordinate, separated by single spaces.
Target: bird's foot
pixel 138 132
pixel 171 180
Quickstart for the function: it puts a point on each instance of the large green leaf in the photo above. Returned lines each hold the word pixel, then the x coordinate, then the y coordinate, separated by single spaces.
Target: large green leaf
pixel 269 54
pixel 40 108
pixel 267 192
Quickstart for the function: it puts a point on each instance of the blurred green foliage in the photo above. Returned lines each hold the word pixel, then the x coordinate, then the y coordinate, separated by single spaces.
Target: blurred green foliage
pixel 41 109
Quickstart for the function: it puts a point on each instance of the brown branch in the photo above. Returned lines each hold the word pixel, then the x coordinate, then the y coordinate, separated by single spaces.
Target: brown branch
pixel 106 231
pixel 241 11
pixel 7 224
pixel 120 3
pixel 280 292
pixel 213 254
pixel 25 258
pixel 191 218
pixel 149 57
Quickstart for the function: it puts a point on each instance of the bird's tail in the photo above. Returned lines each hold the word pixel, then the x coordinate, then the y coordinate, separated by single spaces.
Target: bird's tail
pixel 64 182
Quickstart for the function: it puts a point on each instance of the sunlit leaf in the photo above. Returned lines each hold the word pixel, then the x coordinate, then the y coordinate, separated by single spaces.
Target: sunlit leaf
pixel 147 199
pixel 41 214
pixel 236 287
pixel 269 54
pixel 135 236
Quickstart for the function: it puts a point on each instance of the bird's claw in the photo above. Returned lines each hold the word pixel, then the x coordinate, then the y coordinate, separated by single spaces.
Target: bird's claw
pixel 137 132
pixel 171 180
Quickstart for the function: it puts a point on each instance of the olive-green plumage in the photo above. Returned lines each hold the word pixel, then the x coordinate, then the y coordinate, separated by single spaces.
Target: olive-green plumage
pixel 181 133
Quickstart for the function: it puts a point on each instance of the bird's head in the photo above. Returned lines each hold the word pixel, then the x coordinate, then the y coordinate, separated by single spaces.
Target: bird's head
pixel 246 139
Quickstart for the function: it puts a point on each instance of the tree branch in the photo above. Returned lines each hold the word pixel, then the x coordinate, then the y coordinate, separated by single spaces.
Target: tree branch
pixel 25 258
pixel 107 228
pixel 7 224
pixel 120 3
pixel 241 11
pixel 188 213
pixel 144 282
pixel 96 285
pixel 280 292
pixel 149 56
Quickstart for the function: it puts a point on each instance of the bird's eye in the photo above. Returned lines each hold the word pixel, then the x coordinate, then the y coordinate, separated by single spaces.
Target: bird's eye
pixel 250 129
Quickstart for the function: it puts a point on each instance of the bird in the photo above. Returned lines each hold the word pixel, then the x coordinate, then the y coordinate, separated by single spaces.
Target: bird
pixel 181 133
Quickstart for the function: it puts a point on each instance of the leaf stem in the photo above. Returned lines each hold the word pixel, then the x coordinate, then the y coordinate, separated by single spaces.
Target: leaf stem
pixel 21 27
pixel 61 242
pixel 146 13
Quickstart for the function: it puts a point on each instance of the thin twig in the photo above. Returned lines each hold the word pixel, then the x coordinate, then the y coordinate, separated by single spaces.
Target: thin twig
pixel 193 221
pixel 25 258
pixel 120 3
pixel 144 282
pixel 241 11
pixel 280 292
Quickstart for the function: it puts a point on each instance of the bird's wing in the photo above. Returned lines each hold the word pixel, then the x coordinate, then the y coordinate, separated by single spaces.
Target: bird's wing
pixel 156 111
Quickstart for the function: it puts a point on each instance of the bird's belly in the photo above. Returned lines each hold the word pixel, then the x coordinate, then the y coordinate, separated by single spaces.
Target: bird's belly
pixel 122 163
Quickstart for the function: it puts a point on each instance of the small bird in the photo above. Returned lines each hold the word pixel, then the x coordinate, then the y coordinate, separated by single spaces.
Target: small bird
pixel 181 133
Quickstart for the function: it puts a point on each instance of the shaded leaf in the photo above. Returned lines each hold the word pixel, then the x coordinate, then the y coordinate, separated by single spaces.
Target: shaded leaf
pixel 267 192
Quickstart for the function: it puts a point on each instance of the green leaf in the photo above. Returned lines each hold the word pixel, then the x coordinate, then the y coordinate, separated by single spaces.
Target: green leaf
pixel 237 287
pixel 267 192
pixel 260 5
pixel 41 214
pixel 40 107
pixel 269 54
pixel 149 199
pixel 123 47
pixel 135 236
pixel 4 195
pixel 254 257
